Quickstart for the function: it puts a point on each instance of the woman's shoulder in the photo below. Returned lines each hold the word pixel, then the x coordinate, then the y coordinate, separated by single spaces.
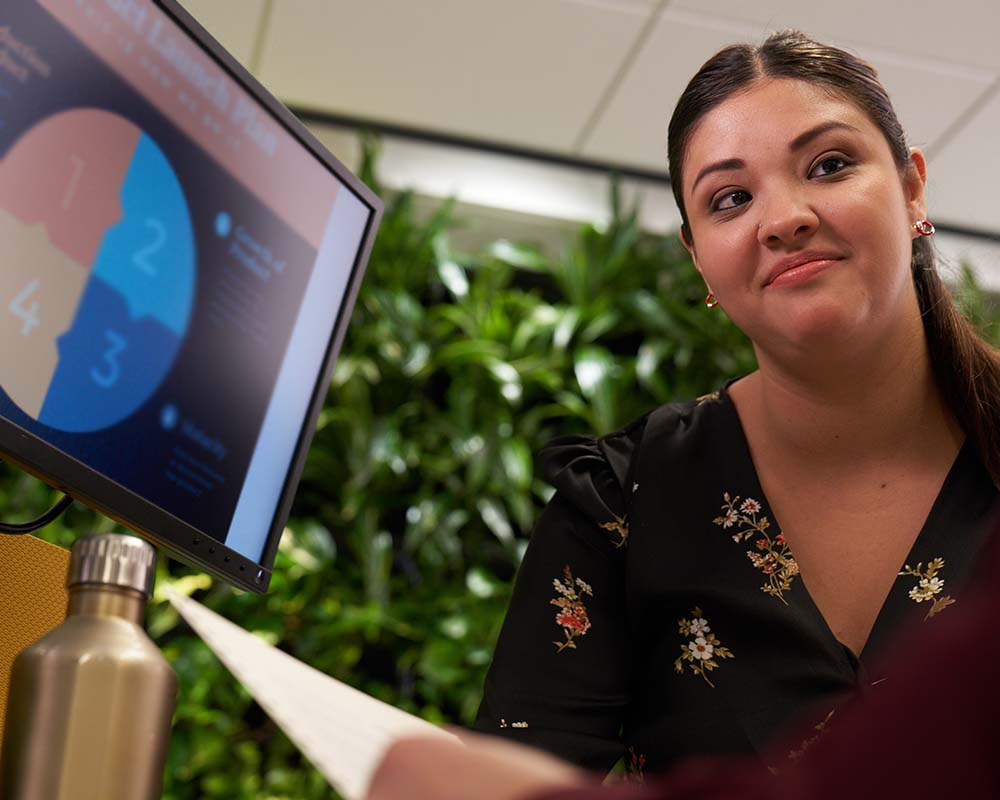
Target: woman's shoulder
pixel 612 453
pixel 594 473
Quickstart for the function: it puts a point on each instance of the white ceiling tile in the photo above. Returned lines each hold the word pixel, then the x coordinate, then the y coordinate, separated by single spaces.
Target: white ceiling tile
pixel 927 101
pixel 632 129
pixel 232 22
pixel 961 31
pixel 927 98
pixel 528 72
pixel 638 6
pixel 964 175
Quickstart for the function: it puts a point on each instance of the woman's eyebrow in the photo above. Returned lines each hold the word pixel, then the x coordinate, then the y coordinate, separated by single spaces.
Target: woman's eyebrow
pixel 719 166
pixel 803 139
pixel 797 143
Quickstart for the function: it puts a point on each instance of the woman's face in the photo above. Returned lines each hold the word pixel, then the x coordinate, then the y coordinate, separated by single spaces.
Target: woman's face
pixel 799 217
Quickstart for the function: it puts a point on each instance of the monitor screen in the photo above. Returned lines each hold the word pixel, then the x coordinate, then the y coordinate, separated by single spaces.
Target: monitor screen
pixel 178 262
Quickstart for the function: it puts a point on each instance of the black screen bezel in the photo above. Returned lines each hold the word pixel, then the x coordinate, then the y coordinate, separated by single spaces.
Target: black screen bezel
pixel 182 540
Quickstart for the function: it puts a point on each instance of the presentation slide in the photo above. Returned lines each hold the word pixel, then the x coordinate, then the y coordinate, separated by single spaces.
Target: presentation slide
pixel 159 232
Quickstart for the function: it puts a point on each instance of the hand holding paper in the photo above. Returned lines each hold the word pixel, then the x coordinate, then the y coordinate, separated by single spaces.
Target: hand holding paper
pixel 342 731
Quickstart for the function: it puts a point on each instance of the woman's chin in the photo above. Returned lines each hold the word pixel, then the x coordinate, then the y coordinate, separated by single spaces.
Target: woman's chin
pixel 820 324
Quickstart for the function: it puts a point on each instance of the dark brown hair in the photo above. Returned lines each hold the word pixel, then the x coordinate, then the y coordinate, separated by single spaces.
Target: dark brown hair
pixel 966 368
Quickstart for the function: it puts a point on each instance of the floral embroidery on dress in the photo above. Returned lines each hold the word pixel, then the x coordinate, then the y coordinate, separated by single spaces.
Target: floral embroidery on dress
pixel 770 555
pixel 633 766
pixel 504 724
pixel 928 586
pixel 572 616
pixel 618 528
pixel 702 650
pixel 820 728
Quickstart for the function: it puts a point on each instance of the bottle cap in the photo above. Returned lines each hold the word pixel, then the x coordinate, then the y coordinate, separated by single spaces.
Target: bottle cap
pixel 113 559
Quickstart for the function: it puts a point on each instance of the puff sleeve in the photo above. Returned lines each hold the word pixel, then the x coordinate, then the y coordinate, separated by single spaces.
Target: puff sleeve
pixel 559 675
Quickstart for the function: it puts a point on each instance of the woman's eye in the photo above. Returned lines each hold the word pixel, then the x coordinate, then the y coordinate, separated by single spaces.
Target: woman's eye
pixel 731 200
pixel 828 166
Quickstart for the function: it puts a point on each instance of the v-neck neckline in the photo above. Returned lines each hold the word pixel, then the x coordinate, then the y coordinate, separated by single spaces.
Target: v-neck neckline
pixel 804 596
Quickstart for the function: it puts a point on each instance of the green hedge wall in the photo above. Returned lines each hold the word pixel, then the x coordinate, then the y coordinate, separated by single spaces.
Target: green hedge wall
pixel 419 490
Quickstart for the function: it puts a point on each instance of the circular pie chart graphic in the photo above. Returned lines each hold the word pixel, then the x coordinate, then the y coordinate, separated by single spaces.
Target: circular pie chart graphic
pixel 98 269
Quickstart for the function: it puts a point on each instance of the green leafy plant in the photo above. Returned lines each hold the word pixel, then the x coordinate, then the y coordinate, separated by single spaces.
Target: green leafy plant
pixel 419 490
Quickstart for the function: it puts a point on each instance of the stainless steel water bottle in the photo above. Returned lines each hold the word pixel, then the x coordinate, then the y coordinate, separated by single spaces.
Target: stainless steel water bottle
pixel 91 702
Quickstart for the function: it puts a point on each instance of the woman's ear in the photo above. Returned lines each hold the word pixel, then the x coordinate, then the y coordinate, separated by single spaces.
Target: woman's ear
pixel 685 236
pixel 914 183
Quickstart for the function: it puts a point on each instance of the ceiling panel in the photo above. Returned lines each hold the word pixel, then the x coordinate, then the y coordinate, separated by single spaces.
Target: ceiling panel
pixel 522 71
pixel 233 22
pixel 964 175
pixel 927 97
pixel 928 100
pixel 960 31
pixel 633 127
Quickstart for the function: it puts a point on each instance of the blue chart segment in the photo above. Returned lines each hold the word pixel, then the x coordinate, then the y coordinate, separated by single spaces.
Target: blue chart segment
pixel 149 256
pixel 109 363
pixel 108 299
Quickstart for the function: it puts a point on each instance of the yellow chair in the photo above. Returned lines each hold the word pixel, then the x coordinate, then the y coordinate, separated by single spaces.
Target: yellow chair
pixel 32 597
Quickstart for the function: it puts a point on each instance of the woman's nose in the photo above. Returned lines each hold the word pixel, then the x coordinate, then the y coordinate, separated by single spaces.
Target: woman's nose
pixel 788 219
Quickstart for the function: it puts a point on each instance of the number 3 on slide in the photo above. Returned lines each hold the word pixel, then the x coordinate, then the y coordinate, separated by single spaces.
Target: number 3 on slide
pixel 108 375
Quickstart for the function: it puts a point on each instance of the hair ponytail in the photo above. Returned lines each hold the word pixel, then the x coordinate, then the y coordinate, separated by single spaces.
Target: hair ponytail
pixel 966 367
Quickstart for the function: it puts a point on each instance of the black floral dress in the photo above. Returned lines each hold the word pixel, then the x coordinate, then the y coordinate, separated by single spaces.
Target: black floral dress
pixel 659 614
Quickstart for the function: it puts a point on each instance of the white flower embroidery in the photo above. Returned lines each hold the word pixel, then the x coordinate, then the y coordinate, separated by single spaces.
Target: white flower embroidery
pixel 730 519
pixel 926 589
pixel 701 653
pixel 749 506
pixel 700 648
pixel 584 586
pixel 929 586
pixel 699 626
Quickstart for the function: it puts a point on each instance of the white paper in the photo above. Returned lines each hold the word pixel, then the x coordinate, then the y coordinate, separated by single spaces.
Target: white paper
pixel 342 731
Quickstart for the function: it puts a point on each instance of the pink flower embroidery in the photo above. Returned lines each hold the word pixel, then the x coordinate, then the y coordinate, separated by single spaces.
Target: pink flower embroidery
pixel 575 619
pixel 572 616
pixel 749 506
pixel 772 555
pixel 633 767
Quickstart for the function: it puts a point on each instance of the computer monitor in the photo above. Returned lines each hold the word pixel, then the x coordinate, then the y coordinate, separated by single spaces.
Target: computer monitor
pixel 178 261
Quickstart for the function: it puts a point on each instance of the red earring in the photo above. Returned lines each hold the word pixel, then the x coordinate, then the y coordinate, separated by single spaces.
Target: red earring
pixel 710 300
pixel 924 227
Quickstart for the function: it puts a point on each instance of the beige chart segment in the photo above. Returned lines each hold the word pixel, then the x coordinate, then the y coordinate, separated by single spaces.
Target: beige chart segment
pixel 59 194
pixel 36 274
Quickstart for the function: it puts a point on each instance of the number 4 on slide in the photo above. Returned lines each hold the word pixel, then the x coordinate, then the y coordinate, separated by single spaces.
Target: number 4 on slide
pixel 29 314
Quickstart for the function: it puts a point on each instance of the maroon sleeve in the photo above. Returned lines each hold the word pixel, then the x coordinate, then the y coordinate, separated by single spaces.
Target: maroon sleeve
pixel 927 732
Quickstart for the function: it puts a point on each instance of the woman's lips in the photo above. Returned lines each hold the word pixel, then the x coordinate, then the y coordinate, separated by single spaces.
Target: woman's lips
pixel 802 270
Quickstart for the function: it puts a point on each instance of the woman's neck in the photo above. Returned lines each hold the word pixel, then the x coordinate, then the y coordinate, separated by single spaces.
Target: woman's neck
pixel 865 406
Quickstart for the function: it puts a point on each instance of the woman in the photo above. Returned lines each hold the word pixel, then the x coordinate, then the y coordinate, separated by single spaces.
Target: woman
pixel 720 567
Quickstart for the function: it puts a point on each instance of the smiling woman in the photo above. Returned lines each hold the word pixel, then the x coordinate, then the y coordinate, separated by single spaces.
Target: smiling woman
pixel 767 228
pixel 724 565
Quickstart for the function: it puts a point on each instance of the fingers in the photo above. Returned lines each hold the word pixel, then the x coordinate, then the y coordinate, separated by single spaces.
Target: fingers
pixel 483 768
